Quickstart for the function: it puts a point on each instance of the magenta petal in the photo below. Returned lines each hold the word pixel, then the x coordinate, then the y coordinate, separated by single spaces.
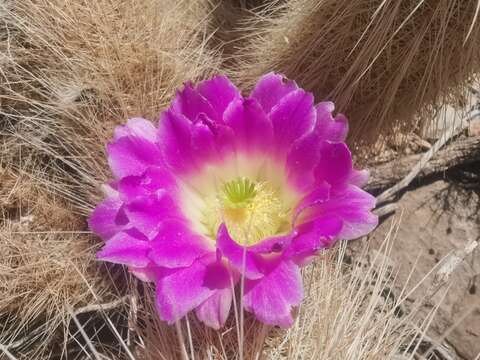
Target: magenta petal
pixel 335 164
pixel 191 104
pixel 270 89
pixel 349 204
pixel 238 256
pixel 272 297
pixel 211 140
pixel 353 206
pixel 324 111
pixel 138 127
pixel 301 160
pixel 313 236
pixel 175 135
pixel 359 178
pixel 219 91
pixel 146 273
pixel 104 219
pixel 214 311
pixel 217 275
pixel 181 291
pixel 317 196
pixel 328 128
pixel 132 155
pixel 147 213
pixel 251 126
pixel 224 140
pixel 177 246
pixel 125 249
pixel 274 244
pixel 358 224
pixel 203 142
pixel 338 130
pixel 291 118
pixel 154 178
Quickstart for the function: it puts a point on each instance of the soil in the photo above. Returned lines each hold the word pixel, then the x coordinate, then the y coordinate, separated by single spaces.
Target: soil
pixel 436 218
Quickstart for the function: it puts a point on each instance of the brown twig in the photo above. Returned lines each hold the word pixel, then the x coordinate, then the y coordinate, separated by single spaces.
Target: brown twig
pixel 101 307
pixel 462 151
pixel 386 210
pixel 446 136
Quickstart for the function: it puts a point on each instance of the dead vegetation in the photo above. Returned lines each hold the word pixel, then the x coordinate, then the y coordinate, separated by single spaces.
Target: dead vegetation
pixel 389 65
pixel 71 70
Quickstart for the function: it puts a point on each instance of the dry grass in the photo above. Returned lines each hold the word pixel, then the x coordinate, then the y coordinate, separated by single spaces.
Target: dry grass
pixel 46 265
pixel 70 71
pixel 388 65
pixel 40 275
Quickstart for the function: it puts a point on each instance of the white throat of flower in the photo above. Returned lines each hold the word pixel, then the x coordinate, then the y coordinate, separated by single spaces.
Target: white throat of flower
pixel 253 207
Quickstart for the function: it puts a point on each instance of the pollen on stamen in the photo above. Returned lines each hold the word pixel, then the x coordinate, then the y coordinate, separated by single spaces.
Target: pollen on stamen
pixel 251 211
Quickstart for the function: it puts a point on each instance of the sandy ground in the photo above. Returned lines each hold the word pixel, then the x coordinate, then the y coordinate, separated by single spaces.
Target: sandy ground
pixel 437 218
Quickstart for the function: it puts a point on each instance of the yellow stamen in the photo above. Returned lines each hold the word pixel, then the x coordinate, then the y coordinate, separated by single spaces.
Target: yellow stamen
pixel 251 211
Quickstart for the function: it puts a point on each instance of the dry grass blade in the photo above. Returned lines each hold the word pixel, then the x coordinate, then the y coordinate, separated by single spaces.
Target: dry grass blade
pixel 388 65
pixel 84 335
pixel 36 280
pixel 7 353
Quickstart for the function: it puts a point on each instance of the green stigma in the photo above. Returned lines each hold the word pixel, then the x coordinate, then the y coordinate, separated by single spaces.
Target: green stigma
pixel 251 211
pixel 238 193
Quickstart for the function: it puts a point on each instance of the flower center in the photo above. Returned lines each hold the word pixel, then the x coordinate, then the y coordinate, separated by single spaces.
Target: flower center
pixel 238 193
pixel 252 211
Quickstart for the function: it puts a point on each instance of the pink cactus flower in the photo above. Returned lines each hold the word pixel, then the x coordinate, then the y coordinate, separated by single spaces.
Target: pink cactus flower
pixel 229 188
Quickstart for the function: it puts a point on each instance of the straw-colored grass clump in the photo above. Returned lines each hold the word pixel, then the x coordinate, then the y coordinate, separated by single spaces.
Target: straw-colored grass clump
pixel 388 65
pixel 72 70
pixel 69 72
